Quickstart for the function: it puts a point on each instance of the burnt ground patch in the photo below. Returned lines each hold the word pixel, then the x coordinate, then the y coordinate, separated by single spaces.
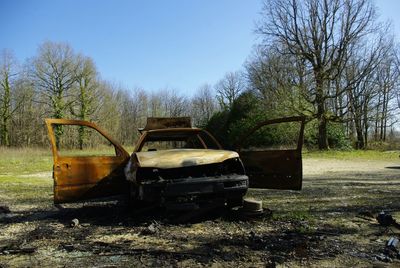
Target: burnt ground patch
pixel 331 222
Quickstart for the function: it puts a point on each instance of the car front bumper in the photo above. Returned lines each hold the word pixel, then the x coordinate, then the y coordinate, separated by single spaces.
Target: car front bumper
pixel 201 189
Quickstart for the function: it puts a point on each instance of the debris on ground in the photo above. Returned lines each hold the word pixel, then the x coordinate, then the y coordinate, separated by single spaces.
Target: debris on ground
pixel 391 251
pixel 153 228
pixel 386 220
pixel 4 209
pixel 252 207
pixel 306 229
pixel 67 247
pixel 366 215
pixel 74 223
pixel 15 249
pixel 393 242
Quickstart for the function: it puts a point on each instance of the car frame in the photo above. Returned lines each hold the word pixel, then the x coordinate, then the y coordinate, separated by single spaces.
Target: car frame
pixel 78 178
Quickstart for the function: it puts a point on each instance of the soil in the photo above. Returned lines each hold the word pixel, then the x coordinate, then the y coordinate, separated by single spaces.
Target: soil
pixel 330 223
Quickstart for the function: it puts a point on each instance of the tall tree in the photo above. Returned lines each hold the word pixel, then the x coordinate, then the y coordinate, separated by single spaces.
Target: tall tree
pixel 7 75
pixel 387 80
pixel 281 82
pixel 321 33
pixel 85 103
pixel 203 105
pixel 229 88
pixel 54 73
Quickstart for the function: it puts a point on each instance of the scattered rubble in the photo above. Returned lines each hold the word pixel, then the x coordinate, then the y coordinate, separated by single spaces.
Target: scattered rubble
pixel 393 242
pixel 386 220
pixel 4 209
pixel 153 228
pixel 16 249
pixel 74 223
pixel 252 207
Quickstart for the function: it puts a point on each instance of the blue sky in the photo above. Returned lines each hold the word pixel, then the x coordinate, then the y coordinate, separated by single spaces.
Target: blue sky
pixel 174 44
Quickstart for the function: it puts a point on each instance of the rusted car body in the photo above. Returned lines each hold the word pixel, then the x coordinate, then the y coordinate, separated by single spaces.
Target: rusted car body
pixel 196 169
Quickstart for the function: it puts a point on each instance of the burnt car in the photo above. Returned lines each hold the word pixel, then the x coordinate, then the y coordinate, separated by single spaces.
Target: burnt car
pixel 173 164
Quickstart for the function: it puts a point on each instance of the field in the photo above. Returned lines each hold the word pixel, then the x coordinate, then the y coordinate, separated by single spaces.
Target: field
pixel 330 223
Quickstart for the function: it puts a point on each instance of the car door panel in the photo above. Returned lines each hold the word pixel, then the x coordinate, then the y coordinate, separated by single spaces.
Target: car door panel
pixel 274 169
pixel 79 178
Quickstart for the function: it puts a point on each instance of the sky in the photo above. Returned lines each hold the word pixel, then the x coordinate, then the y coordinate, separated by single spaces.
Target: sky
pixel 153 44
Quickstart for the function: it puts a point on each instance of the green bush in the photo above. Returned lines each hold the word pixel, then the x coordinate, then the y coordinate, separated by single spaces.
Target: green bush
pixel 336 136
pixel 231 126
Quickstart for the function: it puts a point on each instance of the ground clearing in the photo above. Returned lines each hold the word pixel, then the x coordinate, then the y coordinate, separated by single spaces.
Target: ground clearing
pixel 327 224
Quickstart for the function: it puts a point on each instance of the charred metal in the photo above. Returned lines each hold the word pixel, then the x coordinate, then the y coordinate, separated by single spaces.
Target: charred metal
pixel 174 165
pixel 226 180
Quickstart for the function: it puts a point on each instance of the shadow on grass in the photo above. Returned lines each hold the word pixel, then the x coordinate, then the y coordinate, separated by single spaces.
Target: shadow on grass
pixel 288 240
pixel 393 167
pixel 274 247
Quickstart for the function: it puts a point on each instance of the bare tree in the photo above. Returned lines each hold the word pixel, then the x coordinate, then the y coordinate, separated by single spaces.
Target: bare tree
pixel 171 103
pixel 229 88
pixel 85 99
pixel 109 113
pixel 8 73
pixel 281 82
pixel 387 80
pixel 321 33
pixel 54 72
pixel 203 105
pixel 133 111
pixel 27 126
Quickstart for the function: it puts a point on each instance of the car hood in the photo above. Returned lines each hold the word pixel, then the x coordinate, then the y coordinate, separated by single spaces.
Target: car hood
pixel 176 158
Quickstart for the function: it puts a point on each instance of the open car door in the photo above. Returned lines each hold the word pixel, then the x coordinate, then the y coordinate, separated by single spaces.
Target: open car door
pixel 272 166
pixel 87 162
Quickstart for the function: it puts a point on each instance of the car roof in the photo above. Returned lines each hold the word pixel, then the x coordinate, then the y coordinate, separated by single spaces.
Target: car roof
pixel 181 129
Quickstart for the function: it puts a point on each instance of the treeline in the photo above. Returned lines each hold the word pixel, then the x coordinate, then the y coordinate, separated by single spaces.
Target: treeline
pixel 330 61
pixel 60 83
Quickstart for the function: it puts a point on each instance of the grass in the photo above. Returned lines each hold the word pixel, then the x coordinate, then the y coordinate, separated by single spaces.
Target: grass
pixel 298 215
pixel 354 154
pixel 15 161
pixel 20 182
pixel 26 190
pixel 18 166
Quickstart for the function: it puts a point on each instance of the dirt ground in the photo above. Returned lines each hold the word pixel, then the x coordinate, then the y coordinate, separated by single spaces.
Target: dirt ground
pixel 330 223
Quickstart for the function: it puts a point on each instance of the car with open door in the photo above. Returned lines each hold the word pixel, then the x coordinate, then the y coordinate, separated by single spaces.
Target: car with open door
pixel 172 164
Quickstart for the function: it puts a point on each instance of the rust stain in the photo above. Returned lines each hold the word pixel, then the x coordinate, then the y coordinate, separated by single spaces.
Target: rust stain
pixel 86 177
pixel 81 177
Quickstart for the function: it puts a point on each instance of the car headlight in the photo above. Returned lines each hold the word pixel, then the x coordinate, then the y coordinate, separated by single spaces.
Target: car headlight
pixel 233 165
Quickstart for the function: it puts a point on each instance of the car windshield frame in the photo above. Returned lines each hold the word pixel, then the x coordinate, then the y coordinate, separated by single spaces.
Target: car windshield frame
pixel 176 134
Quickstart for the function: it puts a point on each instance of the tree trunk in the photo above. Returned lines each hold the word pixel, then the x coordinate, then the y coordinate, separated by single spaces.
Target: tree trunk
pixel 366 127
pixel 322 123
pixel 322 132
pixel 82 134
pixel 383 115
pixel 360 137
pixel 5 112
pixel 377 118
